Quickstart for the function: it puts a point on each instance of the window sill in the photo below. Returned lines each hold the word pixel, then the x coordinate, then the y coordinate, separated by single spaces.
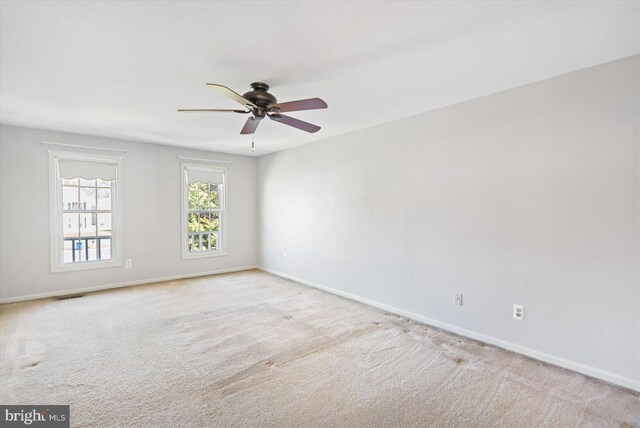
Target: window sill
pixel 70 267
pixel 207 254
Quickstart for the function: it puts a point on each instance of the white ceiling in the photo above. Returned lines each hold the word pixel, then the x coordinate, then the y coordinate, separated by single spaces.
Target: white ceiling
pixel 120 69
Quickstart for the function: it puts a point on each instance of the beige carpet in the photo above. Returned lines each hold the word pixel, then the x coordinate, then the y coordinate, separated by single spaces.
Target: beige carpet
pixel 252 349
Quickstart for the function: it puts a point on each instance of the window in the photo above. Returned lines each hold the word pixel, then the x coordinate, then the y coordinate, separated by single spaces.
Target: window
pixel 85 211
pixel 203 213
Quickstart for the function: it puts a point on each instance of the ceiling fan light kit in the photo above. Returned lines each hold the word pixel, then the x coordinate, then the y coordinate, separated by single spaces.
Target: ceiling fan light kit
pixel 260 104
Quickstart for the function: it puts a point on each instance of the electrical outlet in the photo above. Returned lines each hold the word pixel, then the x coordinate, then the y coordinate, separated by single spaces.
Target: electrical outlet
pixel 127 263
pixel 518 312
pixel 458 299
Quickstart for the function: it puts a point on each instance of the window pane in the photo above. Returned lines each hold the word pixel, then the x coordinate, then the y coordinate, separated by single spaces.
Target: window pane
pixel 215 221
pixel 203 200
pixel 104 224
pixel 204 242
pixel 196 242
pixel 203 187
pixel 105 249
pixel 213 187
pixel 214 241
pixel 193 187
pixel 213 200
pixel 72 182
pixel 70 226
pixel 193 200
pixel 87 198
pixel 90 183
pixel 192 223
pixel 204 222
pixel 190 243
pixel 79 250
pixel 69 198
pixel 92 246
pixel 87 224
pixel 67 251
pixel 104 199
pixel 102 183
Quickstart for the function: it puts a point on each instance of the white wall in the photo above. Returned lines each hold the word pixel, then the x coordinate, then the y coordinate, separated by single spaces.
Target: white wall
pixel 529 196
pixel 151 208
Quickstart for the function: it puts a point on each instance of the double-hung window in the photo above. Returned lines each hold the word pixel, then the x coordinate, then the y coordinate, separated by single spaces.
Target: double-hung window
pixel 85 211
pixel 203 211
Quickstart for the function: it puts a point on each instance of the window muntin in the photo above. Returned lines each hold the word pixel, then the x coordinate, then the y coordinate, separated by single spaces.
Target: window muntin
pixel 203 213
pixel 85 210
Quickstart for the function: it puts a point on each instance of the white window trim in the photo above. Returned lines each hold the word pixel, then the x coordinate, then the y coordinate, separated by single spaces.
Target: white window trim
pixel 223 231
pixel 55 213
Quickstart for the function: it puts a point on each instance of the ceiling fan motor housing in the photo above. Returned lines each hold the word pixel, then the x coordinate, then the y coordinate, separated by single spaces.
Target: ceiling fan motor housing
pixel 259 95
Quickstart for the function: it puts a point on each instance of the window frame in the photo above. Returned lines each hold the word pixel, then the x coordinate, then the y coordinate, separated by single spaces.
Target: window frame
pixel 56 211
pixel 222 222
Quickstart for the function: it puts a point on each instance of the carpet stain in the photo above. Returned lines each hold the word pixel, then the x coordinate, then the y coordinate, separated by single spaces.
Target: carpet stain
pixel 249 377
pixel 70 296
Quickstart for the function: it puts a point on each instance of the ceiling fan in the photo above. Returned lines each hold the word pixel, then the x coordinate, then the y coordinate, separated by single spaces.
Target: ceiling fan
pixel 260 103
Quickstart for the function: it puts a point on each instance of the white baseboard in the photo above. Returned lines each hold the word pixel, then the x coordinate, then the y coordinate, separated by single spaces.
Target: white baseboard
pixel 547 358
pixel 122 284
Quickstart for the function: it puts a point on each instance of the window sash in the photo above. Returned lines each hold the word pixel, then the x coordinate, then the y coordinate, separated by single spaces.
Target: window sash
pixel 193 235
pixel 98 249
pixel 213 210
pixel 87 211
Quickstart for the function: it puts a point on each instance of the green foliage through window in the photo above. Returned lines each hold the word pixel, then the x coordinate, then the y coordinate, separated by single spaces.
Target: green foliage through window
pixel 203 217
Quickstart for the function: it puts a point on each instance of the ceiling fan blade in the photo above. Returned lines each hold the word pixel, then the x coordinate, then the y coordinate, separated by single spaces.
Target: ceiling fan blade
pixel 296 123
pixel 308 104
pixel 197 110
pixel 230 94
pixel 250 126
